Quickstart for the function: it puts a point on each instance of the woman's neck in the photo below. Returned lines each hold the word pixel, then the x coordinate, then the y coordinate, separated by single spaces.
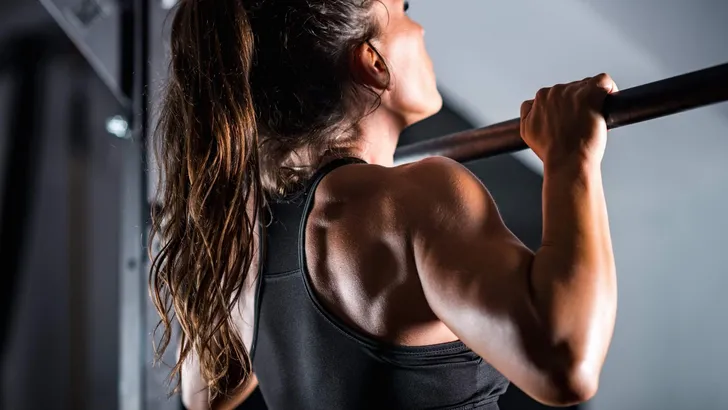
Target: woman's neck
pixel 375 142
pixel 377 137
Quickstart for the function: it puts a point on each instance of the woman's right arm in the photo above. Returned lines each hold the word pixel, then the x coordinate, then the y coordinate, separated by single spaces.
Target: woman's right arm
pixel 544 320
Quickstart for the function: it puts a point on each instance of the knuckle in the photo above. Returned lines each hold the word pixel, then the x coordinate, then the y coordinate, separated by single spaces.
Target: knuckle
pixel 558 88
pixel 602 78
pixel 524 110
pixel 543 93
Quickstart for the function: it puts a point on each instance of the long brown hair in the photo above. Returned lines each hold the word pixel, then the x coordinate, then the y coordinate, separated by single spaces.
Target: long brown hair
pixel 253 87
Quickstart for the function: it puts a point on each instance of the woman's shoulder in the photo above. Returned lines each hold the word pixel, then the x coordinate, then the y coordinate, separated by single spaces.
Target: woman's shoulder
pixel 361 226
pixel 435 182
pixel 370 180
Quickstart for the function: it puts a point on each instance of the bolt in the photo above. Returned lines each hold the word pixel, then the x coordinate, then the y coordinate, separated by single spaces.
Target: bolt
pixel 118 127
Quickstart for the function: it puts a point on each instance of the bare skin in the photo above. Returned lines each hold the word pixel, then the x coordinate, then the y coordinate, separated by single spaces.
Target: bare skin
pixel 418 254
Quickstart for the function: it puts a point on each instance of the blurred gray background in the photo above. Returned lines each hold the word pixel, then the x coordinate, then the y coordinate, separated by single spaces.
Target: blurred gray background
pixel 76 324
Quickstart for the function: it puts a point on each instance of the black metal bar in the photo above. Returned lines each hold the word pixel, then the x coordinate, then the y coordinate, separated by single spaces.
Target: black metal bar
pixel 633 105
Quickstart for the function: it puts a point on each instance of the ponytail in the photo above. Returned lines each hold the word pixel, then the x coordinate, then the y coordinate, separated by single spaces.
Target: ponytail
pixel 210 189
pixel 218 153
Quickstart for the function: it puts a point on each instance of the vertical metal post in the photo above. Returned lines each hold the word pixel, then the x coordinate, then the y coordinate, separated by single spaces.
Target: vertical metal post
pixel 134 210
pixel 20 169
pixel 78 236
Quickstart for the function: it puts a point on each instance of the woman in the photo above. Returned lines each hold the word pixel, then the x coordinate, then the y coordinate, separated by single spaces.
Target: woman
pixel 297 259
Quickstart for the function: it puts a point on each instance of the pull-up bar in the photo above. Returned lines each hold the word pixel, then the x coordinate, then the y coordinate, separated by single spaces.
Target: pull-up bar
pixel 630 106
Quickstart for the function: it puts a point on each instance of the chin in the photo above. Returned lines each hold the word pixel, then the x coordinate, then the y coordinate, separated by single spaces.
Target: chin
pixel 438 103
pixel 432 107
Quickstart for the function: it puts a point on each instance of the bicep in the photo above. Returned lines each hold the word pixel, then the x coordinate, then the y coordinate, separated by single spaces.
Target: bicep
pixel 475 274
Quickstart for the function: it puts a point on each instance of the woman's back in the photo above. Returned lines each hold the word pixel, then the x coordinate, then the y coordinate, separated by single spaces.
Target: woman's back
pixel 340 323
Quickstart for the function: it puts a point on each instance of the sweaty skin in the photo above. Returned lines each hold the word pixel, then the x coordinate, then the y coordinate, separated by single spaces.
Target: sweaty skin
pixel 418 254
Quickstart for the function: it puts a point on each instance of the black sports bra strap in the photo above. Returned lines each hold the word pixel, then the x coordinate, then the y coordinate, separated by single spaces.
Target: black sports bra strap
pixel 308 200
pixel 325 170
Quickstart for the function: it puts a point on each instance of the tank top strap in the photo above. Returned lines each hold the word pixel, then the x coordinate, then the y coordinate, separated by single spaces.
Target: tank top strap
pixel 319 175
pixel 314 182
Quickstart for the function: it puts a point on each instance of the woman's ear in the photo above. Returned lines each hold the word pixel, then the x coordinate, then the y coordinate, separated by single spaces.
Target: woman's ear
pixel 369 67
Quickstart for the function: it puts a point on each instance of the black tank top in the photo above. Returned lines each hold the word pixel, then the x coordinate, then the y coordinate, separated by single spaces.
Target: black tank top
pixel 305 358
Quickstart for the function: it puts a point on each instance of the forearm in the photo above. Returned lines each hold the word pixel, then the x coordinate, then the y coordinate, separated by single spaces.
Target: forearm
pixel 573 275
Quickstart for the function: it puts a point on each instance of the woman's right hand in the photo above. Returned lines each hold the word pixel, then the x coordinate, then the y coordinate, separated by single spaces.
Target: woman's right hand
pixel 564 125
